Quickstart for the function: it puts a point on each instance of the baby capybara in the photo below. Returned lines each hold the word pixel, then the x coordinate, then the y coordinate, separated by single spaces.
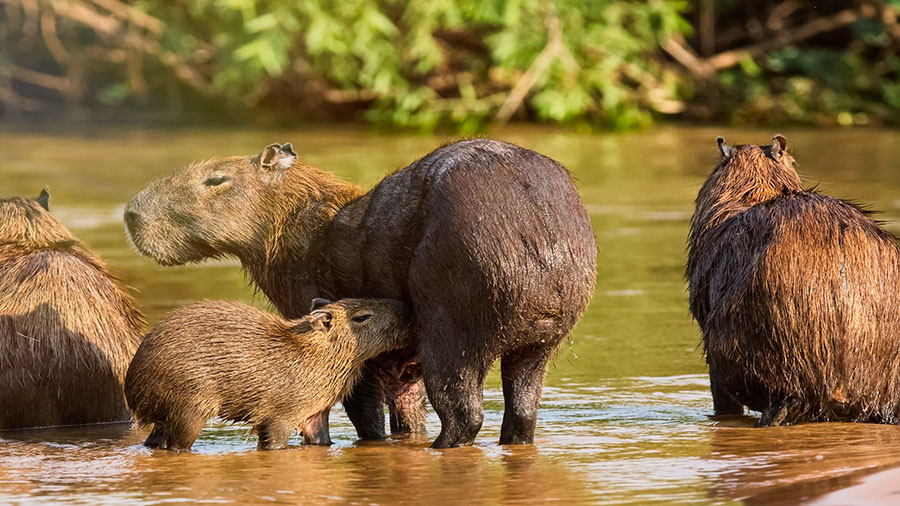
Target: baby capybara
pixel 489 243
pixel 796 294
pixel 67 328
pixel 242 364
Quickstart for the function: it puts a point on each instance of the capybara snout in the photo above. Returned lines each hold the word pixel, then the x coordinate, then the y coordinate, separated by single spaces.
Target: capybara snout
pixel 243 364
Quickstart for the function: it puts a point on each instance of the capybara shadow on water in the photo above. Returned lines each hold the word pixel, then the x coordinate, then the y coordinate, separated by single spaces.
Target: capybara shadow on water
pixel 67 328
pixel 489 242
pixel 796 294
pixel 230 360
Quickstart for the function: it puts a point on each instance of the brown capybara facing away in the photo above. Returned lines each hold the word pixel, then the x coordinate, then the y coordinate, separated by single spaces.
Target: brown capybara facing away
pixel 796 294
pixel 245 365
pixel 67 328
pixel 489 242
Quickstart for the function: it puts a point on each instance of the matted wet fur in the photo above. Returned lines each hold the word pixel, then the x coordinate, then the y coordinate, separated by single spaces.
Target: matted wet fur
pixel 228 359
pixel 488 241
pixel 67 328
pixel 796 294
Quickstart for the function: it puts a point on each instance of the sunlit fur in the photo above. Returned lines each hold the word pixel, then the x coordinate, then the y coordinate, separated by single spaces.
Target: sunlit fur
pixel 243 364
pixel 797 294
pixel 67 328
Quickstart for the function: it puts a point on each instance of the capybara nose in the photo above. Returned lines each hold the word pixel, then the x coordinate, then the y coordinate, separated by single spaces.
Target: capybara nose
pixel 131 218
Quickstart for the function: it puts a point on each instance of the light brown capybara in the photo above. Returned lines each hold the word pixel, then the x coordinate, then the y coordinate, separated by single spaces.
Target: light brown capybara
pixel 67 328
pixel 489 243
pixel 228 359
pixel 797 294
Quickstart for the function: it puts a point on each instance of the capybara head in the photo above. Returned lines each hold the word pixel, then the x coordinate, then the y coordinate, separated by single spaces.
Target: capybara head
pixel 362 328
pixel 29 223
pixel 745 175
pixel 211 208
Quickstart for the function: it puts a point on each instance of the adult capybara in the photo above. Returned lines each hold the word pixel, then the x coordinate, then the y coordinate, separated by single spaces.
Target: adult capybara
pixel 245 365
pixel 796 294
pixel 67 328
pixel 489 242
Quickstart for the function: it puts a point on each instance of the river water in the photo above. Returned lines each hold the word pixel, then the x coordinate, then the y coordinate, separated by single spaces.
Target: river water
pixel 625 416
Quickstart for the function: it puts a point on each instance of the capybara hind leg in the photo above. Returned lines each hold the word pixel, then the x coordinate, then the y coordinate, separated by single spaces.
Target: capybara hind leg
pixel 159 438
pixel 184 432
pixel 455 391
pixel 365 405
pixel 315 429
pixel 522 372
pixel 723 402
pixel 273 434
pixel 407 408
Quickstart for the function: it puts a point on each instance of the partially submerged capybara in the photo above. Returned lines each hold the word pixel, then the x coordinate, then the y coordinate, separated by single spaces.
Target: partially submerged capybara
pixel 488 241
pixel 67 328
pixel 796 294
pixel 242 364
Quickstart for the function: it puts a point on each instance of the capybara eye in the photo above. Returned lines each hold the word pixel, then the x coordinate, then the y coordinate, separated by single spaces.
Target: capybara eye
pixel 361 318
pixel 216 180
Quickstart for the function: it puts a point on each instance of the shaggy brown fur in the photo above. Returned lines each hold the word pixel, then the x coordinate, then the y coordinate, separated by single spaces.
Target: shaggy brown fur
pixel 67 329
pixel 796 294
pixel 489 242
pixel 245 365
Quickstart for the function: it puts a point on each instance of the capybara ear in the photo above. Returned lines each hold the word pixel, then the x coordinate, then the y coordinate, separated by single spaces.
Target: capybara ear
pixel 277 157
pixel 725 149
pixel 779 144
pixel 44 199
pixel 321 320
pixel 318 303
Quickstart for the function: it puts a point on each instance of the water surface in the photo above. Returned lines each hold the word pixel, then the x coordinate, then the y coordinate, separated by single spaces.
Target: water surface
pixel 625 416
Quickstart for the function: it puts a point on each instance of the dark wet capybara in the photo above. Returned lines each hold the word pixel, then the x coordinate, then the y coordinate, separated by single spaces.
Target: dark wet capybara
pixel 796 294
pixel 246 365
pixel 488 241
pixel 67 328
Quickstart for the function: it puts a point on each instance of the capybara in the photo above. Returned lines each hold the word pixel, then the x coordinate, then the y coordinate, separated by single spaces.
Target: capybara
pixel 246 365
pixel 488 241
pixel 796 294
pixel 67 328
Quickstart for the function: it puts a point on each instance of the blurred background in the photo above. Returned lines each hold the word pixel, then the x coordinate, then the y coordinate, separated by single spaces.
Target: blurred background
pixel 452 65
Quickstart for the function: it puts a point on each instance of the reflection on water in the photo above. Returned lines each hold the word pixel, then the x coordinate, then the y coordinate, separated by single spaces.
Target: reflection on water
pixel 625 415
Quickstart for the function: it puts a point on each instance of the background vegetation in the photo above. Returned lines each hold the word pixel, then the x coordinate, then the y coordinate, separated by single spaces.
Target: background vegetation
pixel 462 64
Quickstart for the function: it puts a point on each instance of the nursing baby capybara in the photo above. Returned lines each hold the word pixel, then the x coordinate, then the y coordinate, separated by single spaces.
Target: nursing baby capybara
pixel 67 328
pixel 489 242
pixel 796 294
pixel 245 365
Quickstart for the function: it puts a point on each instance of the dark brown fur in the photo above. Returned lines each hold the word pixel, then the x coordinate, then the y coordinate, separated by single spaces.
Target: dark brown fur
pixel 67 328
pixel 488 241
pixel 796 294
pixel 245 365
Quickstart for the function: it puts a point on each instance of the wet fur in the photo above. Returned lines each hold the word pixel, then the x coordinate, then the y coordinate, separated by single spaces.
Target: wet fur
pixel 242 364
pixel 67 328
pixel 796 295
pixel 490 243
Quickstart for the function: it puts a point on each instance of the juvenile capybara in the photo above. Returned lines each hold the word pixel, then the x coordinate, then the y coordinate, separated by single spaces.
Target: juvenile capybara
pixel 489 242
pixel 796 294
pixel 67 328
pixel 245 365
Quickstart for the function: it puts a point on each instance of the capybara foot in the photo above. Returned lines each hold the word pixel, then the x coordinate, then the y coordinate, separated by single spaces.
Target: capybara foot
pixel 407 408
pixel 315 430
pixel 780 413
pixel 462 434
pixel 274 435
pixel 158 439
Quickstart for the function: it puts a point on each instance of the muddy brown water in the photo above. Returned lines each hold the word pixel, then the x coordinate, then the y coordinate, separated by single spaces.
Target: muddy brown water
pixel 625 415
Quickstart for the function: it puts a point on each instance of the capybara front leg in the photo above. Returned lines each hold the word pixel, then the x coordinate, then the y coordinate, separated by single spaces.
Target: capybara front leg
pixel 522 372
pixel 273 434
pixel 159 438
pixel 456 394
pixel 723 402
pixel 407 408
pixel 365 405
pixel 780 413
pixel 315 429
pixel 184 431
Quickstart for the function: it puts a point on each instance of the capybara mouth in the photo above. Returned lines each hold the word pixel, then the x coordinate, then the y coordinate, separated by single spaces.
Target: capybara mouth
pixel 143 248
